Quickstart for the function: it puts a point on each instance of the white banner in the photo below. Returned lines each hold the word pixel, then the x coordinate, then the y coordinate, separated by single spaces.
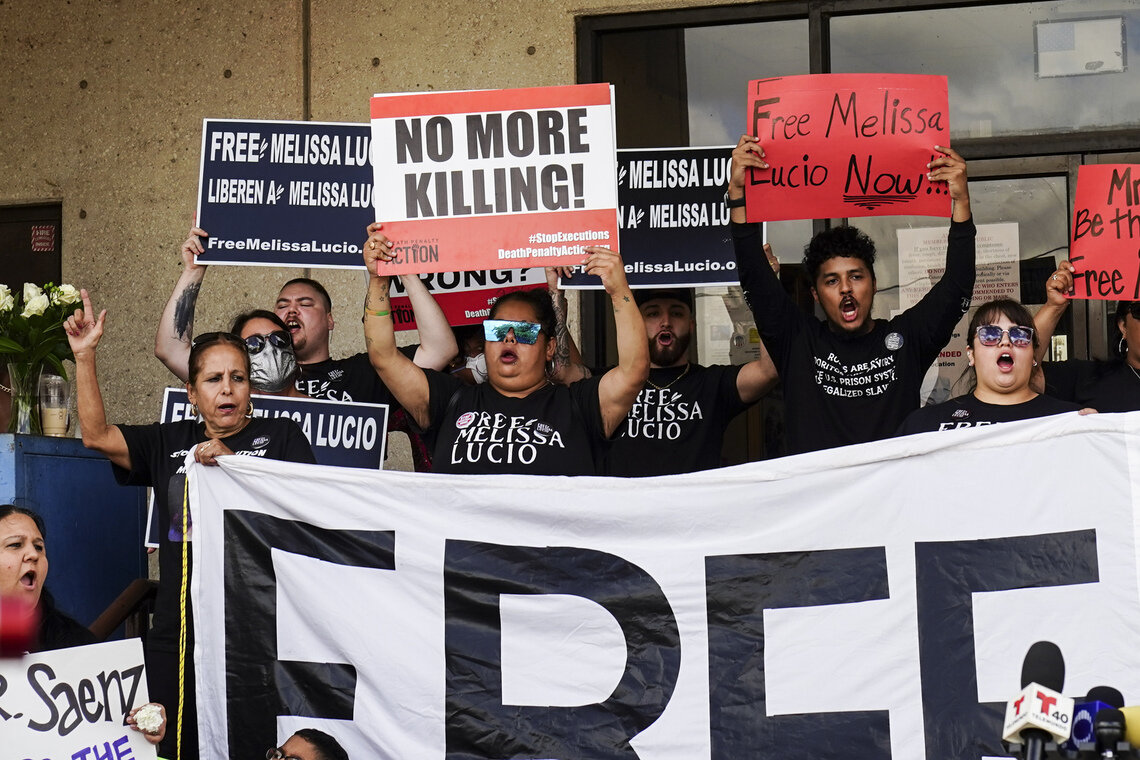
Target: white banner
pixel 71 703
pixel 869 602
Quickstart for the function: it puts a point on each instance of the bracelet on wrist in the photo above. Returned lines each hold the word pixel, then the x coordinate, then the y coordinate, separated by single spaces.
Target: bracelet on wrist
pixel 384 313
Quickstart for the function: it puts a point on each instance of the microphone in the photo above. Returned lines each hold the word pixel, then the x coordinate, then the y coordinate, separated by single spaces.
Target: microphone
pixel 1108 726
pixel 1039 713
pixel 1085 713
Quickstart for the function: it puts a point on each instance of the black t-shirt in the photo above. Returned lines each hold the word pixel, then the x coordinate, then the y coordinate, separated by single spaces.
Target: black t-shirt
pixel 677 423
pixel 841 389
pixel 158 452
pixel 474 429
pixel 351 379
pixel 57 630
pixel 968 411
pixel 1104 386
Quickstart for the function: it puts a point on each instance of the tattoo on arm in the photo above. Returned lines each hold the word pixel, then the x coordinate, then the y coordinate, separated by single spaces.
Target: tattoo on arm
pixel 379 301
pixel 561 334
pixel 184 312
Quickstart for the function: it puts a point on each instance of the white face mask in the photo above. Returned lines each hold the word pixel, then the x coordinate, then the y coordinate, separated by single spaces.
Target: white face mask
pixel 272 368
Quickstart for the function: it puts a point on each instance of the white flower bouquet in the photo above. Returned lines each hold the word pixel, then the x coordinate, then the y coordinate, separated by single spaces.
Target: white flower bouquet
pixel 31 336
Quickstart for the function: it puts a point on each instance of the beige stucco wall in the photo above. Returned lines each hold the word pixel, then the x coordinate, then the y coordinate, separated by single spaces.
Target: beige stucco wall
pixel 102 102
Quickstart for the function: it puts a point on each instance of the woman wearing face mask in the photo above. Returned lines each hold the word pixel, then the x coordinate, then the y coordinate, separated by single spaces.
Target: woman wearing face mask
pixel 273 365
pixel 153 455
pixel 23 573
pixel 1002 344
pixel 518 421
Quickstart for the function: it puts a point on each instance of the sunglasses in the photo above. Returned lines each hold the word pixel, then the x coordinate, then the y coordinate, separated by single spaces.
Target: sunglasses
pixel 991 335
pixel 277 754
pixel 277 339
pixel 496 330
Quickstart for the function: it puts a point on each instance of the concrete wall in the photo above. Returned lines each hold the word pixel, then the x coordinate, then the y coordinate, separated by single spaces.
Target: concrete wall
pixel 102 103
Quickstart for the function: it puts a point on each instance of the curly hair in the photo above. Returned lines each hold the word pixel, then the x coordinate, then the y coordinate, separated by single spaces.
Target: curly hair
pixel 838 241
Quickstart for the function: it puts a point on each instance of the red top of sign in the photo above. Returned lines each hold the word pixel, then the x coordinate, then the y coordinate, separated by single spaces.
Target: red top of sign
pixel 473 101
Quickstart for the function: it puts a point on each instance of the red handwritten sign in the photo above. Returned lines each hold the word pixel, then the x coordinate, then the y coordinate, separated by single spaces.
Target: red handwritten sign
pixel 495 179
pixel 842 145
pixel 1105 248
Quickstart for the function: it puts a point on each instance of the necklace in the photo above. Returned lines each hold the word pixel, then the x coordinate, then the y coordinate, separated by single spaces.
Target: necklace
pixel 678 377
pixel 1134 372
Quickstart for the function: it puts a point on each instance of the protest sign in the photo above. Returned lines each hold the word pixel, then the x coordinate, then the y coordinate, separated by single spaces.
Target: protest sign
pixel 843 145
pixel 284 193
pixel 71 703
pixel 342 434
pixel 673 222
pixel 298 194
pixel 1105 248
pixel 885 615
pixel 495 178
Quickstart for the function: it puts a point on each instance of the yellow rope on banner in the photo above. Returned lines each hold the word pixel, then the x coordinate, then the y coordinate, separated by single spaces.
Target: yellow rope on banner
pixel 182 612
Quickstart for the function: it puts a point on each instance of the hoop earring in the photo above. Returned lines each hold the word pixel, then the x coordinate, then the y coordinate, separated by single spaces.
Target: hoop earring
pixel 1122 346
pixel 250 412
pixel 194 411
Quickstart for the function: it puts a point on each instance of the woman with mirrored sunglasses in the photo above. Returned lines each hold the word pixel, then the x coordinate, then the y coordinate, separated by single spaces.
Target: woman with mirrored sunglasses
pixel 1107 385
pixel 1002 346
pixel 273 365
pixel 519 421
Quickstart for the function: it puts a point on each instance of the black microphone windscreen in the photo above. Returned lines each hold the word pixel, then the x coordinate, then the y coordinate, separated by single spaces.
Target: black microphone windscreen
pixel 1045 665
pixel 1106 694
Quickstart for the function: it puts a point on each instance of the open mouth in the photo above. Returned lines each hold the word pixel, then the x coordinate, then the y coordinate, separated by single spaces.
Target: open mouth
pixel 665 338
pixel 848 309
pixel 292 325
pixel 508 356
pixel 227 408
pixel 1005 362
pixel 28 579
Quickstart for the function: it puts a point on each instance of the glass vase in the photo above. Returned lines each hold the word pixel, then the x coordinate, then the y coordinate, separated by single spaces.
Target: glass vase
pixel 23 379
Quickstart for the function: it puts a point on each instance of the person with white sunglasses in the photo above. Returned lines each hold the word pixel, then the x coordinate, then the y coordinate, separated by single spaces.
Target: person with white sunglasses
pixel 520 420
pixel 1002 349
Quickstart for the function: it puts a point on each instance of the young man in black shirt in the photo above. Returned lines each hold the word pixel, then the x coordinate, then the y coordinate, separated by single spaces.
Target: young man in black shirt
pixel 677 423
pixel 850 378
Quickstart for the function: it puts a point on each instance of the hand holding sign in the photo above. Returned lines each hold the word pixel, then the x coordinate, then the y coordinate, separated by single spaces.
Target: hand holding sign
pixel 1060 285
pixel 192 248
pixel 606 265
pixel 1106 233
pixel 377 249
pixel 951 169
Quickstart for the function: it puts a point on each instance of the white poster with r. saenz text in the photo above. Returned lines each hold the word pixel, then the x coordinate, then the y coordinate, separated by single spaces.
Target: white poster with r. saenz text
pixel 873 601
pixel 71 704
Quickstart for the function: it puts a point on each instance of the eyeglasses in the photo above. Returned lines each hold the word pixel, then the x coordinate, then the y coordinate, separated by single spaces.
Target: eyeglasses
pixel 497 329
pixel 991 335
pixel 277 754
pixel 278 339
